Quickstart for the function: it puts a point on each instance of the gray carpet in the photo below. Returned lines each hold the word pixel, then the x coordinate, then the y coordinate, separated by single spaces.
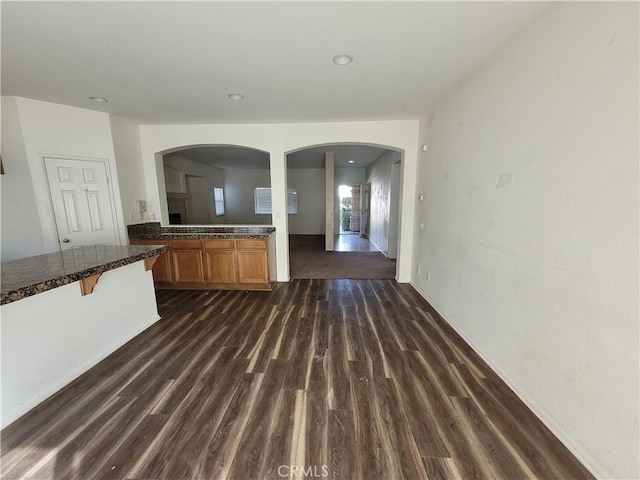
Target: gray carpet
pixel 307 259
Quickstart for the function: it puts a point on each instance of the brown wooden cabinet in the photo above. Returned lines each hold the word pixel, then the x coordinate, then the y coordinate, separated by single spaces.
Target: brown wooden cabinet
pixel 186 261
pixel 162 267
pixel 215 264
pixel 237 263
pixel 253 265
pixel 220 261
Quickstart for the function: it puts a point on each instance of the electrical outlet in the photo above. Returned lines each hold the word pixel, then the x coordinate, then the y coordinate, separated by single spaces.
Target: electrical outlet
pixel 422 226
pixel 141 206
pixel 419 269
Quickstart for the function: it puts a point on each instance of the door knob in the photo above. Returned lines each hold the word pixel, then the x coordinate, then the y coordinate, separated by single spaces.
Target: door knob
pixel 65 240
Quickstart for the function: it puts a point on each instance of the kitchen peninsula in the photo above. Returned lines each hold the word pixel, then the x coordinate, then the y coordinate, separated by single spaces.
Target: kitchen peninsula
pixel 63 312
pixel 211 257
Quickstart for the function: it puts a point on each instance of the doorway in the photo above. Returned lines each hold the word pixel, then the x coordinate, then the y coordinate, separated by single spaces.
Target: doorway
pixel 350 211
pixel 327 238
pixel 350 236
pixel 81 198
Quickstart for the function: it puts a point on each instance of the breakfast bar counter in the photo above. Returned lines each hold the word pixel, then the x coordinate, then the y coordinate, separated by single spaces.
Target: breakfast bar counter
pixel 29 276
pixel 63 312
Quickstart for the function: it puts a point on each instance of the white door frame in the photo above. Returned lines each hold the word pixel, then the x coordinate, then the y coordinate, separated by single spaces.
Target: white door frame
pixel 50 232
pixel 394 209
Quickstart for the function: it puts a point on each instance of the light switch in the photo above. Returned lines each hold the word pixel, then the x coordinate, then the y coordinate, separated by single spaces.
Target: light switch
pixel 141 206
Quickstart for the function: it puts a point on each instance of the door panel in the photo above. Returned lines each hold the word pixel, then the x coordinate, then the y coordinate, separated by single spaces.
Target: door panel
pixel 93 200
pixel 187 266
pixel 81 199
pixel 221 266
pixel 89 175
pixel 71 210
pixel 253 266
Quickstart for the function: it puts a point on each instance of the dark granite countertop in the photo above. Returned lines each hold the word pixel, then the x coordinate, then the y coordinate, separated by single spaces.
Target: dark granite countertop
pixel 199 236
pixel 29 276
pixel 153 230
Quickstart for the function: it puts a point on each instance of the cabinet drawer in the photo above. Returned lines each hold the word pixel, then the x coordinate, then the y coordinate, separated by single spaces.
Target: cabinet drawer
pixel 185 244
pixel 218 243
pixel 245 244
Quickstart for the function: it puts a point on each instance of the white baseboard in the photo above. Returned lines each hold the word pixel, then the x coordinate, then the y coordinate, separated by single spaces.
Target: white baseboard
pixel 522 393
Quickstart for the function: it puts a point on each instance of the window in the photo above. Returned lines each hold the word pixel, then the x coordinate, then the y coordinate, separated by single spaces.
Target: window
pixel 262 197
pixel 292 201
pixel 218 197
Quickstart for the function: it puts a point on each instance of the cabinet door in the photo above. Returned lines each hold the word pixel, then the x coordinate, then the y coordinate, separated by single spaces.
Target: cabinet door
pixel 187 266
pixel 253 266
pixel 162 268
pixel 220 266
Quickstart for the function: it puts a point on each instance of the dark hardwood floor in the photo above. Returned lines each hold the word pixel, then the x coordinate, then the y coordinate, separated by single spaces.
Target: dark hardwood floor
pixel 343 379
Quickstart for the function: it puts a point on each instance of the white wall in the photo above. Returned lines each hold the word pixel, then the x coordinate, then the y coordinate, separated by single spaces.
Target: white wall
pixel 310 185
pixel 239 186
pixel 199 180
pixel 175 181
pixel 49 129
pixel 277 140
pixel 379 176
pixel 202 201
pixel 197 169
pixel 51 338
pixel 126 145
pixel 542 277
pixel 21 231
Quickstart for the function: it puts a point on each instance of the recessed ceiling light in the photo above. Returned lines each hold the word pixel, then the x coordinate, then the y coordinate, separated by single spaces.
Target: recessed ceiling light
pixel 99 99
pixel 342 59
pixel 235 96
pixel 350 161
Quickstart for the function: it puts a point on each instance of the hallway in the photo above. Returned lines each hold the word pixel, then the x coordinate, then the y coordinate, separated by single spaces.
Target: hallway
pixel 353 243
pixel 354 258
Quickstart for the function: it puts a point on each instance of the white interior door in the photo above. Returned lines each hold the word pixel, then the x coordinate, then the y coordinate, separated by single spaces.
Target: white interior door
pixel 81 202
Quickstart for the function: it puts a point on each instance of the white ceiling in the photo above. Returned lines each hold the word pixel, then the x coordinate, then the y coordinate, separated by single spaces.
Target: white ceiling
pixel 226 156
pixel 362 156
pixel 175 62
pixel 223 156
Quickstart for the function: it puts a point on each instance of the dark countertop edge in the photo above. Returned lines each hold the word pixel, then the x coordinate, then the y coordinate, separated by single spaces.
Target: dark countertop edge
pixel 155 228
pixel 198 236
pixel 50 284
pixel 218 229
